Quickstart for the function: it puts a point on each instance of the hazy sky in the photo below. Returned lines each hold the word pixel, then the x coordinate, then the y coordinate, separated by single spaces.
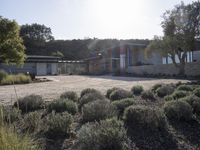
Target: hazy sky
pixel 73 19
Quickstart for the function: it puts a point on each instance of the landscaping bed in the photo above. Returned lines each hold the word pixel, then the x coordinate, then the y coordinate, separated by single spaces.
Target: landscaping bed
pixel 10 79
pixel 161 118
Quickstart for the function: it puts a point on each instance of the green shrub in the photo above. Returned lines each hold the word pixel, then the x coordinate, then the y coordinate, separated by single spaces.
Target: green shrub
pixel 144 117
pixel 10 114
pixel 89 90
pixel 109 91
pixel 9 137
pixel 62 105
pixel 108 134
pixel 58 125
pixel 3 75
pixel 168 98
pixel 165 90
pixel 156 86
pixel 179 94
pixel 10 140
pixel 194 101
pixel 122 104
pixel 120 94
pixel 185 88
pixel 137 90
pixel 197 92
pixel 97 110
pixel 178 110
pixel 32 121
pixel 30 103
pixel 89 97
pixel 70 95
pixel 22 78
pixel 148 95
pixel 16 79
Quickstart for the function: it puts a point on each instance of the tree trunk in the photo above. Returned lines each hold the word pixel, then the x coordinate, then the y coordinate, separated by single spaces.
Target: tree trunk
pixel 181 68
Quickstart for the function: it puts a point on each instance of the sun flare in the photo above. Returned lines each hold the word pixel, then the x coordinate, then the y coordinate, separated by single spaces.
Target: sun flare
pixel 117 16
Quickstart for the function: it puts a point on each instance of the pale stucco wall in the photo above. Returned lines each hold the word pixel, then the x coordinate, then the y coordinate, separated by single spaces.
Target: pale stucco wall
pixel 41 69
pixel 191 69
pixel 54 68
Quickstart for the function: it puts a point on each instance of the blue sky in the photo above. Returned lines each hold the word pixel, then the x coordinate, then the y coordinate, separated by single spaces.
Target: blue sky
pixel 78 19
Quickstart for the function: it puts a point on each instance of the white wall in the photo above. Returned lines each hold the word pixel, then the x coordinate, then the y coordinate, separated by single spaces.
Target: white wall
pixel 41 69
pixel 54 69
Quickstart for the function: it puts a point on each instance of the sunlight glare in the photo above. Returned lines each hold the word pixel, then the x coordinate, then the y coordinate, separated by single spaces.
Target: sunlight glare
pixel 117 15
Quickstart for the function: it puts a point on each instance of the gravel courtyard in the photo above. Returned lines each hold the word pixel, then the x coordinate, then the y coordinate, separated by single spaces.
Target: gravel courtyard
pixel 59 84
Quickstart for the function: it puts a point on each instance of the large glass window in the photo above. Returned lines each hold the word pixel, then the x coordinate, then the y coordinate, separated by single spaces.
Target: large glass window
pixel 168 60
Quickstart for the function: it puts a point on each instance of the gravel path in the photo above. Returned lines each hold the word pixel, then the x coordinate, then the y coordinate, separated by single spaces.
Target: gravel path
pixel 59 84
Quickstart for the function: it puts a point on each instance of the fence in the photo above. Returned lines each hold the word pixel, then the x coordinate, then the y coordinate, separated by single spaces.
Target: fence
pixel 72 68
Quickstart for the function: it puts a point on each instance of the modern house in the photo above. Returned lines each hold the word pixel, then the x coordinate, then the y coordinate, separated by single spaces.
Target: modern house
pixel 38 65
pixel 117 59
pixel 123 58
pixel 132 58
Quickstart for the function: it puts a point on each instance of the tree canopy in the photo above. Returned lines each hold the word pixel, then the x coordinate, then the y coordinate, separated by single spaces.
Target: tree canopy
pixel 181 27
pixel 11 44
pixel 35 34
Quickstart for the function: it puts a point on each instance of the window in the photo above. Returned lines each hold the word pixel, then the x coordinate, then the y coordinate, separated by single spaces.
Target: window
pixel 168 60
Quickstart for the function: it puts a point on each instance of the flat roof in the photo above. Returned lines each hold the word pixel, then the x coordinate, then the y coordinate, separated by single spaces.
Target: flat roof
pixel 41 57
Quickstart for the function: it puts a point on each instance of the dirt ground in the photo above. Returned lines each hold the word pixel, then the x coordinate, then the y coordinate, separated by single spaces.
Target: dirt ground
pixel 59 84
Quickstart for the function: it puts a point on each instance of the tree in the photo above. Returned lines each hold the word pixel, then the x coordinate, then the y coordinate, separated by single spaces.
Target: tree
pixel 35 35
pixel 181 27
pixel 11 44
pixel 57 53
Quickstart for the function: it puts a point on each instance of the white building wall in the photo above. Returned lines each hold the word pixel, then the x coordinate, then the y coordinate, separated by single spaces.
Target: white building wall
pixel 41 69
pixel 54 69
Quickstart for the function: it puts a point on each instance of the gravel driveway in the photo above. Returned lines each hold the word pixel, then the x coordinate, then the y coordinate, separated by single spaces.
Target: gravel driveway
pixel 59 84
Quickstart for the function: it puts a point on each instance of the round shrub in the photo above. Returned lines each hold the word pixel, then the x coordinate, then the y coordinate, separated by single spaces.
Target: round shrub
pixel 147 95
pixel 144 117
pixel 165 90
pixel 88 90
pixel 71 95
pixel 185 88
pixel 109 91
pixel 194 101
pixel 178 110
pixel 197 92
pixel 108 134
pixel 137 90
pixel 89 97
pixel 58 125
pixel 62 105
pixel 120 94
pixel 168 98
pixel 30 103
pixel 122 104
pixel 32 121
pixel 156 86
pixel 179 94
pixel 97 110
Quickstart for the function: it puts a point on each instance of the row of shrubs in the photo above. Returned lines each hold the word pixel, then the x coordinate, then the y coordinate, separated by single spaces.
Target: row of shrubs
pixel 91 98
pixel 6 79
pixel 105 119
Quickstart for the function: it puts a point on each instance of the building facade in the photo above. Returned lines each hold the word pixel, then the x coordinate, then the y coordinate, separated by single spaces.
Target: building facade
pixel 37 65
